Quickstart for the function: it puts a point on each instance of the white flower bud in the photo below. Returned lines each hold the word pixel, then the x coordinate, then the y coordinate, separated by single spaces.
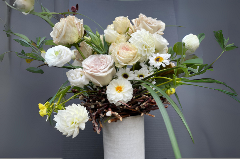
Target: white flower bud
pixel 25 6
pixel 191 43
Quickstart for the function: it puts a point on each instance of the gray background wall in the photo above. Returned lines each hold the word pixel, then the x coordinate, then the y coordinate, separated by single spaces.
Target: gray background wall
pixel 212 116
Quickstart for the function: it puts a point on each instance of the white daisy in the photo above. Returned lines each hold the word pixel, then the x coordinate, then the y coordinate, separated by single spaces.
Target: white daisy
pixel 119 90
pixel 125 74
pixel 144 41
pixel 142 73
pixel 157 60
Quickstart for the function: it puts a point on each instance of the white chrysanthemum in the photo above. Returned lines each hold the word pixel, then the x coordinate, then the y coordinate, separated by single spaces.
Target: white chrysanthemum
pixel 144 41
pixel 119 90
pixel 142 73
pixel 191 43
pixel 157 60
pixel 77 77
pixel 160 43
pixel 58 56
pixel 125 74
pixel 70 120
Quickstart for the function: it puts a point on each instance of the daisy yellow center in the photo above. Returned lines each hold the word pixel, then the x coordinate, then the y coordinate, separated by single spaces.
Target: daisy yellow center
pixel 159 59
pixel 119 89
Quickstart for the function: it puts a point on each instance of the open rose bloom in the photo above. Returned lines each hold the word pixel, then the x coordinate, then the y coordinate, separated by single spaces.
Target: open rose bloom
pixel 126 70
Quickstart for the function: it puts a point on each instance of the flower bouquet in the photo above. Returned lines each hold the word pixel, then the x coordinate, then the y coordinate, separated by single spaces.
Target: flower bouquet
pixel 128 71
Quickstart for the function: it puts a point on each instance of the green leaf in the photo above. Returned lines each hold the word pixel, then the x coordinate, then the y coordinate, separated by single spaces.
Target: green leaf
pixel 174 105
pixel 178 99
pixel 105 45
pixel 179 48
pixel 87 28
pixel 219 37
pixel 35 70
pixel 53 98
pixel 166 121
pixel 95 40
pixel 35 56
pixel 22 36
pixel 1 57
pixel 41 42
pixel 201 36
pixel 197 60
pixel 23 42
pixel 230 47
pixel 50 42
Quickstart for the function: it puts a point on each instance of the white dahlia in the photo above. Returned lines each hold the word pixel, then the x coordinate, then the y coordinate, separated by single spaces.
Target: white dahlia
pixel 77 77
pixel 142 73
pixel 70 120
pixel 144 42
pixel 119 90
pixel 125 74
pixel 157 60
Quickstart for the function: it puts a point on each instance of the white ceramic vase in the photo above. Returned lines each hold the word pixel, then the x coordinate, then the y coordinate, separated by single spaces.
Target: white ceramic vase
pixel 124 139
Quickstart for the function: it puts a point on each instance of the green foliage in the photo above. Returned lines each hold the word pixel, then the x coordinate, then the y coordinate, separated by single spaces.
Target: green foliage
pixel 174 105
pixel 179 48
pixel 50 42
pixel 23 42
pixel 166 121
pixel 223 42
pixel 194 61
pixel 1 57
pixel 35 70
pixel 178 99
pixel 201 36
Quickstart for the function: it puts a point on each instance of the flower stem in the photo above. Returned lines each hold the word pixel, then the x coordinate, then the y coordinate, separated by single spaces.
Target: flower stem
pixel 217 58
pixel 77 47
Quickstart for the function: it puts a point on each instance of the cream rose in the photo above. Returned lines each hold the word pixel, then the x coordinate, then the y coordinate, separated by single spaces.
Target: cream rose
pixel 121 24
pixel 149 24
pixel 25 6
pixel 124 54
pixel 68 31
pixel 85 49
pixel 99 69
pixel 160 44
pixel 110 34
pixel 77 77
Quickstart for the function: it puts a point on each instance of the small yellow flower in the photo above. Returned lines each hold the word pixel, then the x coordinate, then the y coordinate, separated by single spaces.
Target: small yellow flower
pixel 29 60
pixel 43 109
pixel 170 91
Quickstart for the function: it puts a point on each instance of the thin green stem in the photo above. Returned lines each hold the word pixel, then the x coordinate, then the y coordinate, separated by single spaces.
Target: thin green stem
pixel 163 83
pixel 161 77
pixel 217 58
pixel 77 47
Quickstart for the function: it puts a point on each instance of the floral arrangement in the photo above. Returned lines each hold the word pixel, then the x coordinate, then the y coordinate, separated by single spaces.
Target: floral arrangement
pixel 129 70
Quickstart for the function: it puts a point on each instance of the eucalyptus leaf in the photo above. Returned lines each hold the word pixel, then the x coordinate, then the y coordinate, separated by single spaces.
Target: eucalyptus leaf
pixel 35 70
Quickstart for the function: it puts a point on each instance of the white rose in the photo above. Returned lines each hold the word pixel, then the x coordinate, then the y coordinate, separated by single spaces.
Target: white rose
pixel 110 34
pixel 58 56
pixel 77 77
pixel 121 38
pixel 25 6
pixel 124 54
pixel 121 24
pixel 86 51
pixel 68 31
pixel 160 44
pixel 99 69
pixel 191 43
pixel 149 24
